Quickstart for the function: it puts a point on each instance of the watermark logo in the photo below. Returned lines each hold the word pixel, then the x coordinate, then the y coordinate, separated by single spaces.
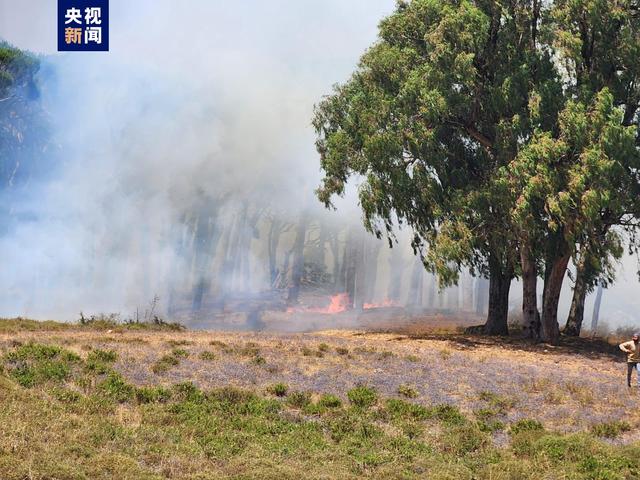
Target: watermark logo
pixel 83 25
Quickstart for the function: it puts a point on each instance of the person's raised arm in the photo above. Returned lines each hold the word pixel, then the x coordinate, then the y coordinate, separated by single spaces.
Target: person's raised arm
pixel 626 347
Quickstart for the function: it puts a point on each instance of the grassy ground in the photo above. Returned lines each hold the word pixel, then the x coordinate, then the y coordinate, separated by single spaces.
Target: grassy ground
pixel 156 402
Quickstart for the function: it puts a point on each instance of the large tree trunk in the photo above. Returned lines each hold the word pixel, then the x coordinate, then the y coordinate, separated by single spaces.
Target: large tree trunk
pixel 499 285
pixel 530 314
pixel 596 309
pixel 576 314
pixel 554 276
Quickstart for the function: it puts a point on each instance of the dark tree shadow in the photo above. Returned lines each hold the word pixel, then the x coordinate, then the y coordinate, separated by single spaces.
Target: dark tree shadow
pixel 595 348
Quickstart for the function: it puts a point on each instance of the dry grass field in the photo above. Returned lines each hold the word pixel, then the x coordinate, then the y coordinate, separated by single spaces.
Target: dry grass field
pixel 151 402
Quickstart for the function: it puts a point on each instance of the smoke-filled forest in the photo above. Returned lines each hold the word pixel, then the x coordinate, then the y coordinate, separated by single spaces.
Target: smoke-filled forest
pixel 338 239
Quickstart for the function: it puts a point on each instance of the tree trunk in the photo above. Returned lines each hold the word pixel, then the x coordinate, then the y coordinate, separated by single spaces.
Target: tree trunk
pixel 576 313
pixel 275 231
pixel 596 309
pixel 205 241
pixel 554 276
pixel 371 267
pixel 432 291
pixel 499 285
pixel 530 314
pixel 298 260
pixel 351 253
pixel 359 276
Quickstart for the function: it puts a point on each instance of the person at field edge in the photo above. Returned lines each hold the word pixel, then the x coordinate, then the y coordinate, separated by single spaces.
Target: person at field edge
pixel 632 349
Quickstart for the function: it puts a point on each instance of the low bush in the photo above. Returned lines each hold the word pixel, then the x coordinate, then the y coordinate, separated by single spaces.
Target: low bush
pixel 362 396
pixel 278 389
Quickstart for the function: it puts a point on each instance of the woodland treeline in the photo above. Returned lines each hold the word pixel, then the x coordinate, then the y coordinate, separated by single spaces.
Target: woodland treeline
pixel 225 257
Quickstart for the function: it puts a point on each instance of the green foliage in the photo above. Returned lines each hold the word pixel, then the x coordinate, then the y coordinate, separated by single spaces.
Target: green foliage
pixel 448 414
pixel 298 399
pixel 179 353
pixel 610 429
pixel 165 363
pixel 362 396
pixel 104 356
pixel 329 401
pixel 152 395
pixel 526 425
pixel 35 364
pixel 491 129
pixel 115 388
pixel 278 389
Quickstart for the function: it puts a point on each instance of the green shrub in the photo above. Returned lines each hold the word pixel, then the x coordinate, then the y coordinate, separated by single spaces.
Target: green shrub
pixel 526 425
pixel 66 395
pixel 490 426
pixel 164 364
pixel 104 356
pixel 323 347
pixel 464 439
pixel 362 396
pixel 610 429
pixel 179 353
pixel 448 414
pixel 152 395
pixel 231 395
pixel 35 351
pixel 278 389
pixel 329 401
pixel 403 409
pixel 206 355
pixel 299 399
pixel 34 364
pixel 116 388
pixel 342 351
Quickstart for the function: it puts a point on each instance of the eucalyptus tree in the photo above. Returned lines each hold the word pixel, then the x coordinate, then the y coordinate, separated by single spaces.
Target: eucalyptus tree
pixel 436 107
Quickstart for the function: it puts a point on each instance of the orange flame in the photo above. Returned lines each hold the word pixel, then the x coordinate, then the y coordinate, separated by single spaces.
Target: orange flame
pixel 385 303
pixel 339 303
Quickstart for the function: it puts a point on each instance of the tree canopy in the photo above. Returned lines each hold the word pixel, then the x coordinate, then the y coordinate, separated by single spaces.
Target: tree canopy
pixel 503 133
